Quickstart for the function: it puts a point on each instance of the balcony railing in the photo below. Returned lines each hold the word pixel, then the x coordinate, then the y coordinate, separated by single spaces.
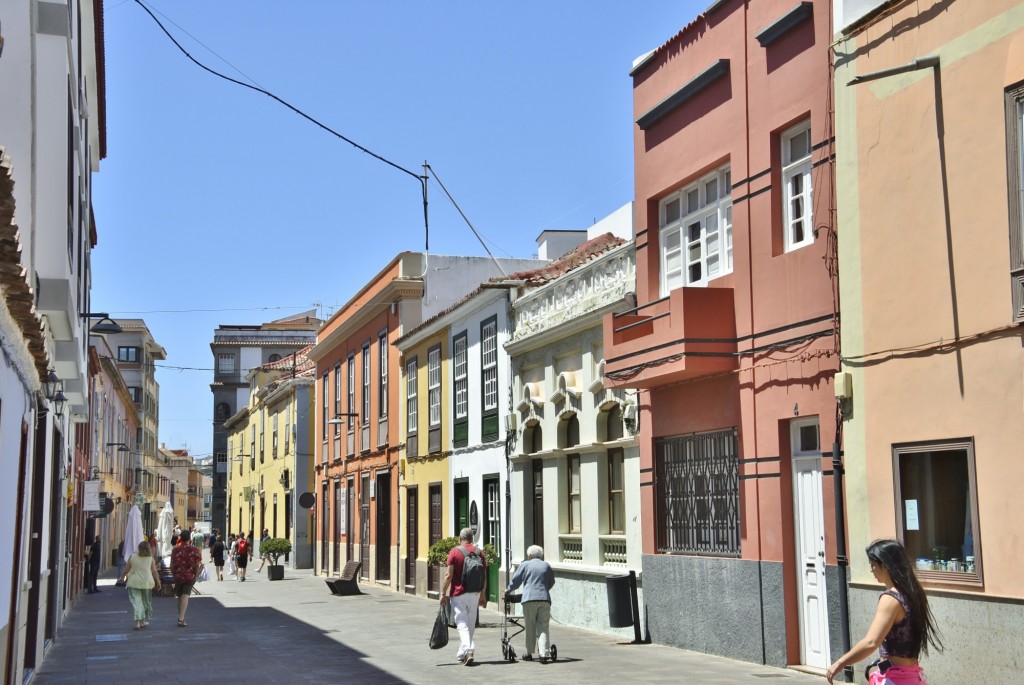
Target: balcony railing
pixel 613 550
pixel 571 551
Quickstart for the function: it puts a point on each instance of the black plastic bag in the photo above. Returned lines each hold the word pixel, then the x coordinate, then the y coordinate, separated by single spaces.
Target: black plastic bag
pixel 439 635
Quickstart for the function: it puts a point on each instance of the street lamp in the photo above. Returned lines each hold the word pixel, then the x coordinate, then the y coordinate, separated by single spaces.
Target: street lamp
pixel 59 402
pixel 105 323
pixel 52 384
pixel 337 420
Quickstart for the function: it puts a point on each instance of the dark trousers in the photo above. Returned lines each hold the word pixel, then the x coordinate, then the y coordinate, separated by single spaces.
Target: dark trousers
pixel 94 572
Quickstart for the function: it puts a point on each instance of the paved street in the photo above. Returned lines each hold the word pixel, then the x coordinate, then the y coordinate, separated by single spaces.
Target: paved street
pixel 293 631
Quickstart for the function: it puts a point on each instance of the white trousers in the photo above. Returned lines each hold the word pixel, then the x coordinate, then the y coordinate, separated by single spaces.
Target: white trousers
pixel 464 609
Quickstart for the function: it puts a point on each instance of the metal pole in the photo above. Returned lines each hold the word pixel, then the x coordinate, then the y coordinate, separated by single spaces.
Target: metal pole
pixel 637 638
pixel 841 558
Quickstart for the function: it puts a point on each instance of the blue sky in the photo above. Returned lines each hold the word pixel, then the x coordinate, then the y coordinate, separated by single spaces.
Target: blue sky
pixel 215 197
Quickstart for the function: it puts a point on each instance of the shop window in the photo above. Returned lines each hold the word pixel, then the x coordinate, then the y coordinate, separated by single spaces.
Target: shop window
pixel 937 509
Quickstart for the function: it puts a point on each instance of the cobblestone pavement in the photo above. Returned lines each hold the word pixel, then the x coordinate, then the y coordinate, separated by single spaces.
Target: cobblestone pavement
pixel 293 631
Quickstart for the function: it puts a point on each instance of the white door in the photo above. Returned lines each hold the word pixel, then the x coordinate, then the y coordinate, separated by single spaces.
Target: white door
pixel 810 534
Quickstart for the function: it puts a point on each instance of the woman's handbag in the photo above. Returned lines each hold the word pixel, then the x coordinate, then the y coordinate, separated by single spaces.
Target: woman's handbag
pixel 439 635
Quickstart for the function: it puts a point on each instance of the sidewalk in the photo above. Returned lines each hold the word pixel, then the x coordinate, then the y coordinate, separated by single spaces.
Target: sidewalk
pixel 293 631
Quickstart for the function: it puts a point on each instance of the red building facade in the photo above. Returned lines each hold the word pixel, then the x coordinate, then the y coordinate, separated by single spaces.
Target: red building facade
pixel 733 341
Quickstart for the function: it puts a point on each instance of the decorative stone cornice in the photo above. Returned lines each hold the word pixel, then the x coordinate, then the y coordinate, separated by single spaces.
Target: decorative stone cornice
pixel 604 281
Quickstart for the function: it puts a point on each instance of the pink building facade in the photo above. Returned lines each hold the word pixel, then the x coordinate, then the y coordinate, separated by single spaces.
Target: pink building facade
pixel 733 343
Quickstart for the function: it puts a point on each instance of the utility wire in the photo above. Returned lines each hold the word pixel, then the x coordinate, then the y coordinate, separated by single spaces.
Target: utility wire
pixel 465 218
pixel 212 51
pixel 421 179
pixel 225 309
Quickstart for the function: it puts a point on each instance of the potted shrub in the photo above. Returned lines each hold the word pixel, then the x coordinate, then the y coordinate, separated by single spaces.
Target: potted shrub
pixel 274 549
pixel 438 553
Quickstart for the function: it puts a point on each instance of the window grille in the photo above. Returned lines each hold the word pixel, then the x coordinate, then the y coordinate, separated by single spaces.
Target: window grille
pixel 698 494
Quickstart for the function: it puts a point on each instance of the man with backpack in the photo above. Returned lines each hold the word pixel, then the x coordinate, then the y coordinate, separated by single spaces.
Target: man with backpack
pixel 467 579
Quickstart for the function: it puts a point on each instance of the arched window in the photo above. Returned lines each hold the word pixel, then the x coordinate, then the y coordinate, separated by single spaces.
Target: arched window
pixel 613 423
pixel 274 358
pixel 570 432
pixel 222 412
pixel 533 439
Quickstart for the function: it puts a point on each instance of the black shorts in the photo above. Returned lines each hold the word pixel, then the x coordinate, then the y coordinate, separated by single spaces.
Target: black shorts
pixel 183 589
pixel 218 562
pixel 242 560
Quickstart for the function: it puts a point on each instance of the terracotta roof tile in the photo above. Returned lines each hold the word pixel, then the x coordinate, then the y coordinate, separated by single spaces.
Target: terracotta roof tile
pixel 574 259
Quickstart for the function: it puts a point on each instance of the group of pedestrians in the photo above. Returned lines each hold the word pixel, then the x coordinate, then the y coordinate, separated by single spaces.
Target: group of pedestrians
pixel 142 575
pixel 902 630
pixel 237 552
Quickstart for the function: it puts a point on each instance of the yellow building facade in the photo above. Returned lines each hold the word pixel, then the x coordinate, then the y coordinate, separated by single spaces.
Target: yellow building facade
pixel 270 457
pixel 424 466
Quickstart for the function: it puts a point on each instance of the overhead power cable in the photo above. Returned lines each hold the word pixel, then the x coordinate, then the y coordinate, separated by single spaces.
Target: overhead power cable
pixel 287 104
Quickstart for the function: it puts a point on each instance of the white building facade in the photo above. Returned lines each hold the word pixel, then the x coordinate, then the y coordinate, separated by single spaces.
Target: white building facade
pixel 52 138
pixel 575 464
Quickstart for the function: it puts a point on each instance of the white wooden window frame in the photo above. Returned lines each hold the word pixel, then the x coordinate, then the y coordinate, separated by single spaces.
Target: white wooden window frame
pixel 434 386
pixel 366 384
pixel 798 448
pixel 351 395
pixel 382 389
pixel 323 410
pixel 337 396
pixel 411 396
pixel 226 363
pixel 695 232
pixel 460 360
pixel 797 189
pixel 489 364
pixel 575 499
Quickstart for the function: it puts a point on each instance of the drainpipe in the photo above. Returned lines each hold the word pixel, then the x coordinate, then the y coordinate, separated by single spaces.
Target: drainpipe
pixel 841 558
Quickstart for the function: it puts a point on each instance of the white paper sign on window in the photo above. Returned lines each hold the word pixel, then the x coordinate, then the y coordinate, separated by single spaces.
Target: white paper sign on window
pixel 913 523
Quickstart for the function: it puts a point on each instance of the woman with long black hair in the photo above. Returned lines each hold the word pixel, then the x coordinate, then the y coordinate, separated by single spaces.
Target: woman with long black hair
pixel 903 626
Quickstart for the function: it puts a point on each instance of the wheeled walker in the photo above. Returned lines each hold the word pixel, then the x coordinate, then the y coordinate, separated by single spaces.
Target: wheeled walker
pixel 511 626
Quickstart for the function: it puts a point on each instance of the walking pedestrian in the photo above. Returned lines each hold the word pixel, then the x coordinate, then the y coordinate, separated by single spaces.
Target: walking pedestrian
pixel 95 555
pixel 120 563
pixel 186 560
pixel 217 555
pixel 903 626
pixel 242 555
pixel 467 579
pixel 232 552
pixel 536 578
pixel 141 576
pixel 263 557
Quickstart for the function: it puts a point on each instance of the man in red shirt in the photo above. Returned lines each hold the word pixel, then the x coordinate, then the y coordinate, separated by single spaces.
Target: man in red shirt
pixel 186 560
pixel 464 602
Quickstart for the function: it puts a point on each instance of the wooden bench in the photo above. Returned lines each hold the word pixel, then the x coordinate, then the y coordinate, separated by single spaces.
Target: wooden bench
pixel 346 583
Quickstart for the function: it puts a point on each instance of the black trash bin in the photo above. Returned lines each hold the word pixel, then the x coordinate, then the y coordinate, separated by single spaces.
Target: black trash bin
pixel 620 602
